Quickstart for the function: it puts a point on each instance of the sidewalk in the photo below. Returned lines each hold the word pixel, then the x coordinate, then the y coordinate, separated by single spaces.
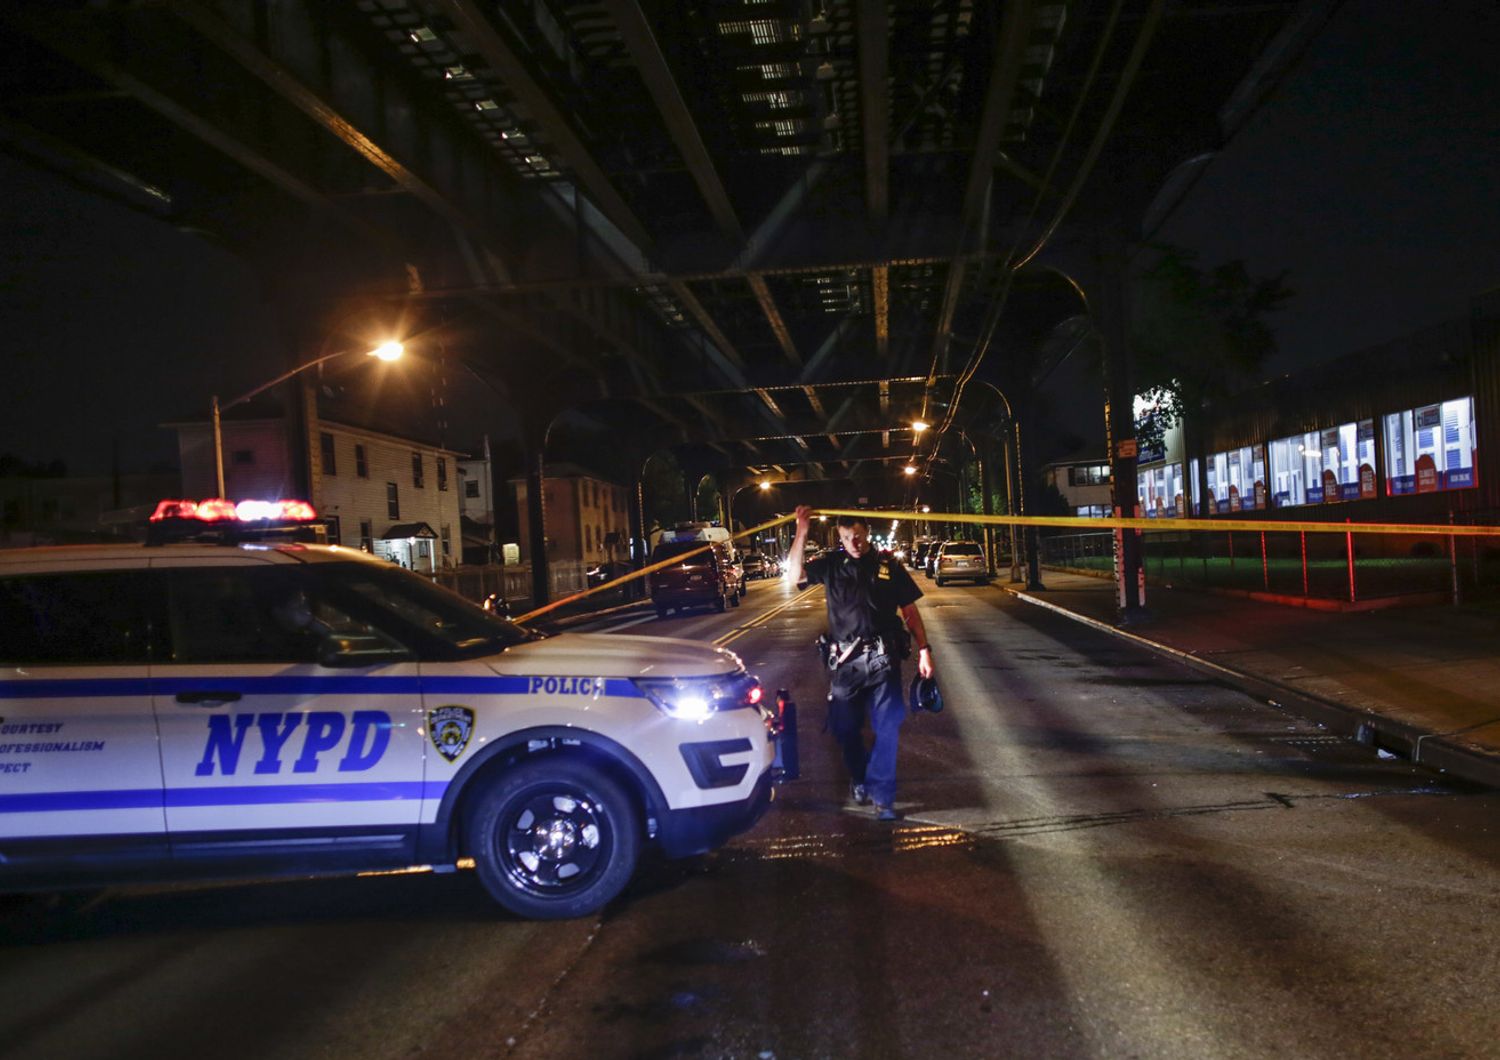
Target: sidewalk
pixel 1423 682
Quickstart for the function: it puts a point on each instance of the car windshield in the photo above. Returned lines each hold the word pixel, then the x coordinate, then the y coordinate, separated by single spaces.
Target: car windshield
pixel 669 549
pixel 468 630
pixel 962 548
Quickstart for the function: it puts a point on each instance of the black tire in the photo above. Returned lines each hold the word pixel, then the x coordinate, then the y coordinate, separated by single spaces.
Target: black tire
pixel 940 582
pixel 734 599
pixel 720 604
pixel 661 610
pixel 593 829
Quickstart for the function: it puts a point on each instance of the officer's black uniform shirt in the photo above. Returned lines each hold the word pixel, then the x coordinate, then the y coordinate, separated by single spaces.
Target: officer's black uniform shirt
pixel 865 595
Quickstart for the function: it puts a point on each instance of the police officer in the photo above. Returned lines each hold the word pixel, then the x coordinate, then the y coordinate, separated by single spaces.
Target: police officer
pixel 868 595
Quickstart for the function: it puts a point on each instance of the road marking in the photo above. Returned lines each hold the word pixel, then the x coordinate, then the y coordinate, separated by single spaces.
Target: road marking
pixel 760 619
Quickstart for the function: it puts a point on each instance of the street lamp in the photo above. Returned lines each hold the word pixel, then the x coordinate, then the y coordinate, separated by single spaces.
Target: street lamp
pixel 909 469
pixel 387 351
pixel 764 485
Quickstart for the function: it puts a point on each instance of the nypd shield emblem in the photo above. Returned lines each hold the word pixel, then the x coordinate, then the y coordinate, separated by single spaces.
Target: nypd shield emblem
pixel 450 729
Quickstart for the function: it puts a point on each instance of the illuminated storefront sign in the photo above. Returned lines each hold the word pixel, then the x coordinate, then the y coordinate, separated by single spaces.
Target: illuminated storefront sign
pixel 1431 448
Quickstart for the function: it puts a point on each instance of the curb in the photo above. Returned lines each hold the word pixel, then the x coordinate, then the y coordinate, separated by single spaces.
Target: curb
pixel 1430 750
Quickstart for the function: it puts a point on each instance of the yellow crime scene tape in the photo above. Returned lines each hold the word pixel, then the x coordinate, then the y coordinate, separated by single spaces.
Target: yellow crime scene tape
pixel 1165 524
pixel 1161 525
pixel 650 568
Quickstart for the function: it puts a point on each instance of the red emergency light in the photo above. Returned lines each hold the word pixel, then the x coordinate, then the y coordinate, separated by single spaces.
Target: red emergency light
pixel 219 510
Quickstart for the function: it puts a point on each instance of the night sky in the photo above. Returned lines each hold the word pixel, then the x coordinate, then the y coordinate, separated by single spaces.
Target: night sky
pixel 1370 175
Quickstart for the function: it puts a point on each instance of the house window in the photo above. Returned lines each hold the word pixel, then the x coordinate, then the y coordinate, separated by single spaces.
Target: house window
pixel 392 501
pixel 361 465
pixel 471 487
pixel 335 531
pixel 366 535
pixel 447 543
pixel 442 472
pixel 416 470
pixel 325 441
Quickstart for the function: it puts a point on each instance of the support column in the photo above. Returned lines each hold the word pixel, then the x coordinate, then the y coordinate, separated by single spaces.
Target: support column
pixel 1007 452
pixel 1119 411
pixel 690 491
pixel 536 518
pixel 1023 495
pixel 986 505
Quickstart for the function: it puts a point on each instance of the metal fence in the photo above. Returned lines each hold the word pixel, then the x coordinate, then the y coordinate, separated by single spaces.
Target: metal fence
pixel 1348 567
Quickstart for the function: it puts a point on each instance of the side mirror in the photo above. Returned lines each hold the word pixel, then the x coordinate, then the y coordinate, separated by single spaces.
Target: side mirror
pixel 345 651
pixel 497 604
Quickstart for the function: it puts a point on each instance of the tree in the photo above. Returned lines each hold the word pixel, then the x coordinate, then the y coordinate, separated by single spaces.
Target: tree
pixel 666 503
pixel 1198 335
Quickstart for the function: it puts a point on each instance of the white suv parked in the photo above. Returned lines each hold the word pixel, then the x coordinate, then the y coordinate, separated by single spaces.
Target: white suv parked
pixel 216 709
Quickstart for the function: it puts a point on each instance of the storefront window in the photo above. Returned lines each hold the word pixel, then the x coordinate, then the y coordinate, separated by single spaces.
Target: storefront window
pixel 1236 479
pixel 1159 490
pixel 1336 464
pixel 1431 448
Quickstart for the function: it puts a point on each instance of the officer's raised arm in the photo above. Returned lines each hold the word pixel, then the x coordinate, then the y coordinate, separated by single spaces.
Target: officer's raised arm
pixel 919 638
pixel 794 554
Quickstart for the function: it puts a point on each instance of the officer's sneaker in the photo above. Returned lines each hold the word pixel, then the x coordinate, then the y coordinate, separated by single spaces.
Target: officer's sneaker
pixel 887 813
pixel 858 793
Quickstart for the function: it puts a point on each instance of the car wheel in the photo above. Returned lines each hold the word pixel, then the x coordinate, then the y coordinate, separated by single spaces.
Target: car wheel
pixel 661 612
pixel 553 839
pixel 939 580
pixel 734 599
pixel 720 604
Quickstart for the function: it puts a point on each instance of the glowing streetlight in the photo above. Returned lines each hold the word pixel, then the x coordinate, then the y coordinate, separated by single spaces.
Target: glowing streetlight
pixel 909 469
pixel 765 484
pixel 918 426
pixel 386 351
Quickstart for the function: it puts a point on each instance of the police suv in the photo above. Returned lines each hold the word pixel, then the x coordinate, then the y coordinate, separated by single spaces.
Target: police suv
pixel 229 706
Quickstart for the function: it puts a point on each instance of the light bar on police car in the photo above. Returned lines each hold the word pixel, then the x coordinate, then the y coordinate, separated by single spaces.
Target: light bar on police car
pixel 696 698
pixel 219 510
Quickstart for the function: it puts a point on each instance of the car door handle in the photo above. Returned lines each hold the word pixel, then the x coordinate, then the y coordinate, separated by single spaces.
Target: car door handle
pixel 208 699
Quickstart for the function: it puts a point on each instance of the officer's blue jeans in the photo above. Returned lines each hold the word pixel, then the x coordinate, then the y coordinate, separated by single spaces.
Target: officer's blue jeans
pixel 883 705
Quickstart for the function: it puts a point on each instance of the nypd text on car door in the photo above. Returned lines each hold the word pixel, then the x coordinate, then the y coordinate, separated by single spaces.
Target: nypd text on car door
pixel 289 725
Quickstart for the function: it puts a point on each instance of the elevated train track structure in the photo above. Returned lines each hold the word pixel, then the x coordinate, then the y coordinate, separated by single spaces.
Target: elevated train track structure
pixel 763 233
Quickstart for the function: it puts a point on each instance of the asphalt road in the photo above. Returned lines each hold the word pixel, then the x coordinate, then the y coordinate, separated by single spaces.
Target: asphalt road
pixel 1104 855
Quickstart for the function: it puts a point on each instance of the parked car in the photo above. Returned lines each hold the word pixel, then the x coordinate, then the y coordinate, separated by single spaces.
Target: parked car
pixel 929 565
pixel 961 560
pixel 756 565
pixel 916 558
pixel 709 579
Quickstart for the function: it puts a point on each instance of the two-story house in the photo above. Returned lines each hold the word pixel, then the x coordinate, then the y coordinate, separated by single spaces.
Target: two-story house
pixel 392 494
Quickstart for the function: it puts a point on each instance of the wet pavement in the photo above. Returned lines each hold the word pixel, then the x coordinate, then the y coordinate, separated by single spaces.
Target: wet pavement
pixel 1105 853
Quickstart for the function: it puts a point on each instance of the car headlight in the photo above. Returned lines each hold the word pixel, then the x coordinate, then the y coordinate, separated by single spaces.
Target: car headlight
pixel 697 698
